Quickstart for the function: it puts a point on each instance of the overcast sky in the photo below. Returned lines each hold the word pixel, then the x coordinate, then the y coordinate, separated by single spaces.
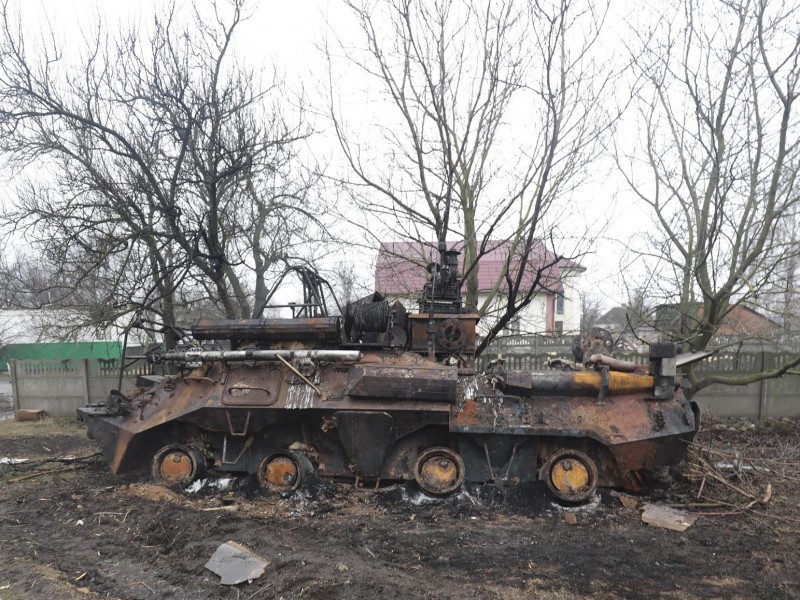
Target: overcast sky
pixel 287 34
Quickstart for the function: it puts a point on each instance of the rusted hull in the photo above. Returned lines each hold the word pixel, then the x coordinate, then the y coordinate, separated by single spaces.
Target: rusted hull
pixel 380 394
pixel 371 420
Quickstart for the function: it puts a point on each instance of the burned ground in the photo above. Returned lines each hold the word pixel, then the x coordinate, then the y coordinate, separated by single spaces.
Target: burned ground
pixel 84 533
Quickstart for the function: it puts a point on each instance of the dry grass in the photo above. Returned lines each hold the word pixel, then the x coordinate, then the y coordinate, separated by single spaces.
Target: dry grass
pixel 48 426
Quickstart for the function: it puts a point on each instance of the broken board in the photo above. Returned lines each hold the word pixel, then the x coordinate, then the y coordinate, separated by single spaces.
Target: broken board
pixel 667 517
pixel 234 564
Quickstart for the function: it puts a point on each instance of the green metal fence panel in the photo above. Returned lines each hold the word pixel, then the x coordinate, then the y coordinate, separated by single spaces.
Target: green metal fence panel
pixel 106 352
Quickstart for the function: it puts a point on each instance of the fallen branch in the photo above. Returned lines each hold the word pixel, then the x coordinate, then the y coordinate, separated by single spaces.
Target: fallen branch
pixel 733 513
pixel 702 485
pixel 713 504
pixel 764 499
pixel 231 508
pixel 716 476
pixel 48 472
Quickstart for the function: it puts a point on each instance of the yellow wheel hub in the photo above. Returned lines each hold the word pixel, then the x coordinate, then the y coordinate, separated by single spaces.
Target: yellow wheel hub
pixel 440 472
pixel 569 476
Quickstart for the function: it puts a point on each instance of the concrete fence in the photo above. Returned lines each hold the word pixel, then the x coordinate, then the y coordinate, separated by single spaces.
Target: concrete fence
pixel 61 386
pixel 766 398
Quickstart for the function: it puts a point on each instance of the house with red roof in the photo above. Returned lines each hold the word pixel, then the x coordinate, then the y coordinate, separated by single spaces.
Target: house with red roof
pixel 401 272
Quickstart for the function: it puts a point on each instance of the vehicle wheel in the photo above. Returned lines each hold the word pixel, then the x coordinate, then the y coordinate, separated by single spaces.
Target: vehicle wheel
pixel 439 471
pixel 284 471
pixel 570 475
pixel 177 464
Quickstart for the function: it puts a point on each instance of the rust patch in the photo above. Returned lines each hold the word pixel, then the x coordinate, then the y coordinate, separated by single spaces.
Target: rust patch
pixel 281 473
pixel 175 467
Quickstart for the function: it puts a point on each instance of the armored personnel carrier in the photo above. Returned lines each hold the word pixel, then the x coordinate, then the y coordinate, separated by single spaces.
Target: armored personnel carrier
pixel 382 394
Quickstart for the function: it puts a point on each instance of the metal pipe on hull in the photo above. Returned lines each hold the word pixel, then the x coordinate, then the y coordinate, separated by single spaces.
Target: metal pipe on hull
pixel 580 383
pixel 315 329
pixel 244 355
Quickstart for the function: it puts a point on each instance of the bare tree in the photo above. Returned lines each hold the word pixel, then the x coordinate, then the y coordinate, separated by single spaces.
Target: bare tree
pixel 591 310
pixel 349 283
pixel 491 117
pixel 159 160
pixel 780 296
pixel 716 108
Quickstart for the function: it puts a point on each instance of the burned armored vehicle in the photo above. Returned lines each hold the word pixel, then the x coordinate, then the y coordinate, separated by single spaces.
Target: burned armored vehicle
pixel 382 394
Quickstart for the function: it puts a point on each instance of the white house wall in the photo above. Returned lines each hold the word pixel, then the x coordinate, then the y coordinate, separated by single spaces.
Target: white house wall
pixel 572 304
pixel 532 319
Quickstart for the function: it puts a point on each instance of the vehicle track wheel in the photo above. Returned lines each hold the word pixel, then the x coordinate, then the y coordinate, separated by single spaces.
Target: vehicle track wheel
pixel 177 464
pixel 283 471
pixel 439 471
pixel 570 475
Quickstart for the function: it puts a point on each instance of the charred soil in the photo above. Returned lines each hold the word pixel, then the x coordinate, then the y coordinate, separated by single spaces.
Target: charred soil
pixel 76 531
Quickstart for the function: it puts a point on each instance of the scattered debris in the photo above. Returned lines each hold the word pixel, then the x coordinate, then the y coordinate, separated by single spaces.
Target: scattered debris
pixel 590 506
pixel 477 533
pixel 570 518
pixel 219 484
pixel 730 481
pixel 156 493
pixel 343 568
pixel 234 564
pixel 47 472
pixel 659 515
pixel 738 466
pixel 29 414
pixel 626 500
pixel 37 468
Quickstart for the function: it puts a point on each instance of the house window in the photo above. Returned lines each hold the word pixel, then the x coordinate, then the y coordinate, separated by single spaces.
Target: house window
pixel 559 304
pixel 558 328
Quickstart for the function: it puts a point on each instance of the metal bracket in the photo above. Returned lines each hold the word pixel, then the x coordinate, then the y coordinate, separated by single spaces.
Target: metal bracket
pixel 511 460
pixel 230 425
pixel 358 484
pixel 245 447
pixel 605 381
pixel 488 461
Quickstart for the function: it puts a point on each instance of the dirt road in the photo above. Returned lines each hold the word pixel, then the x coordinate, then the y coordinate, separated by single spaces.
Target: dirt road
pixel 88 534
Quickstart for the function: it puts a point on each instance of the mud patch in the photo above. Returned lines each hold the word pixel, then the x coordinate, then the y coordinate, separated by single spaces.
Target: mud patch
pixel 89 534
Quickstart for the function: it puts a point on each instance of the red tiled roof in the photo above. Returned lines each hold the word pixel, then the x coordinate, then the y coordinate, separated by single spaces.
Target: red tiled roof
pixel 400 268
